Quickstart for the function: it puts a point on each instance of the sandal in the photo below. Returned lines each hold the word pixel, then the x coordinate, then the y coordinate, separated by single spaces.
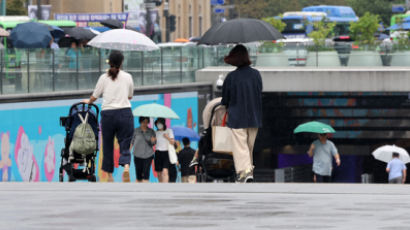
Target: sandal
pixel 126 175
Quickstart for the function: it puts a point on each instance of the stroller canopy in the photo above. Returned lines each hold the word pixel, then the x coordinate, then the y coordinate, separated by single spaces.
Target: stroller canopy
pixel 218 113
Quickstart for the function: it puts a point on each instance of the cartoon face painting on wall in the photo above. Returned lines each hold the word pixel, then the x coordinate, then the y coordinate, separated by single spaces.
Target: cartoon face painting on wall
pixel 5 162
pixel 25 160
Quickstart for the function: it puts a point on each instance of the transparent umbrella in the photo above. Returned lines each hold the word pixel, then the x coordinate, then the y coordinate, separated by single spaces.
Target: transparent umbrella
pixel 385 153
pixel 124 40
pixel 4 33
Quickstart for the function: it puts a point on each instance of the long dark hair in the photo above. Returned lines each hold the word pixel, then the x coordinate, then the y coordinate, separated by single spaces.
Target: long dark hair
pixel 115 62
pixel 238 56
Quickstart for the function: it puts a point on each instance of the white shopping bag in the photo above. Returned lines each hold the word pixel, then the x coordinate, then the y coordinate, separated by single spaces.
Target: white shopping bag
pixel 172 154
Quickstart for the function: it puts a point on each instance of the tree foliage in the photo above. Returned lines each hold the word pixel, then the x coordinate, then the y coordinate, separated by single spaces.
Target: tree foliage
pixel 323 30
pixel 16 7
pixel 364 29
pixel 277 23
pixel 383 8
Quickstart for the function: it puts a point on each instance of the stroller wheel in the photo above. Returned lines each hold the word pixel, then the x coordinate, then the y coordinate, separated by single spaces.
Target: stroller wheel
pixel 92 178
pixel 61 177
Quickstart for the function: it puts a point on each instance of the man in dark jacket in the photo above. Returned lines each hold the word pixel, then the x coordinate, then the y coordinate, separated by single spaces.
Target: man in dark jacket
pixel 242 95
pixel 184 158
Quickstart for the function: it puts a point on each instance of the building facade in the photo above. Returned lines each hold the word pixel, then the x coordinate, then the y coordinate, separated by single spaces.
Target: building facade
pixel 83 6
pixel 192 17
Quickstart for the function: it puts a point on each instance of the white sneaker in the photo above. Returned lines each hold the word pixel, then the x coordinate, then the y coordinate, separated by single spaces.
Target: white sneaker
pixel 245 176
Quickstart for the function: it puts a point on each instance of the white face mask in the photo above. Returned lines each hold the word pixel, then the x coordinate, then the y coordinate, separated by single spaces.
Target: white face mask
pixel 160 126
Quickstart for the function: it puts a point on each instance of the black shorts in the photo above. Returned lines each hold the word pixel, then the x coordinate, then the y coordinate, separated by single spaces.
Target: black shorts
pixel 161 160
pixel 142 168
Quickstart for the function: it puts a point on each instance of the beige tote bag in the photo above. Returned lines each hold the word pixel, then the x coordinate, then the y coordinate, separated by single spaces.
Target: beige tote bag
pixel 222 138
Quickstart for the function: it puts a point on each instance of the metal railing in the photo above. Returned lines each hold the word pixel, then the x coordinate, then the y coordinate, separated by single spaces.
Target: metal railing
pixel 47 70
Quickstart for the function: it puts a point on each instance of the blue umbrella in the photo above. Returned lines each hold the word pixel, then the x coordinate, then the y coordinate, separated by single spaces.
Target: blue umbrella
pixel 383 36
pixel 404 26
pixel 30 35
pixel 181 132
pixel 381 27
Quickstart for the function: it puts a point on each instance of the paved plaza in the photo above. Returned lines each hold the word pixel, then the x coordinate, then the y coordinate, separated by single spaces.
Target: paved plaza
pixel 203 206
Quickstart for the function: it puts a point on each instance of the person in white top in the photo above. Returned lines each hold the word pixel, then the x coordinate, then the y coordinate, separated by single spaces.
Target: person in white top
pixel 116 88
pixel 161 160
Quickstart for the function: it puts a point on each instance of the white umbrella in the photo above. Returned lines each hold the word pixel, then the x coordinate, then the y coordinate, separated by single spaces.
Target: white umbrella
pixel 124 40
pixel 385 152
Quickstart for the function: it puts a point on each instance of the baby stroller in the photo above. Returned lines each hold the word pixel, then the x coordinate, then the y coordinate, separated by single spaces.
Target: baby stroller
pixel 213 166
pixel 69 162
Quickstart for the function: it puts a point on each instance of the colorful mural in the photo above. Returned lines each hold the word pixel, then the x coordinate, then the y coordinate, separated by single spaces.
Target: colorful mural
pixel 31 137
pixel 5 163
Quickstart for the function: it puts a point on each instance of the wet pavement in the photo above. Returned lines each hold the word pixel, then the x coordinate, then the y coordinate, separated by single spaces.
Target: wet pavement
pixel 203 206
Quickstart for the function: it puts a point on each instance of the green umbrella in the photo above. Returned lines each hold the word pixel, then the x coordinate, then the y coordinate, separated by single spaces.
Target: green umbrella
pixel 314 127
pixel 154 110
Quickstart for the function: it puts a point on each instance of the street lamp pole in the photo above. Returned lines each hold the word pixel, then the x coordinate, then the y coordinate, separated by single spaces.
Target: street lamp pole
pixel 39 9
pixel 149 4
pixel 149 23
pixel 166 16
pixel 3 7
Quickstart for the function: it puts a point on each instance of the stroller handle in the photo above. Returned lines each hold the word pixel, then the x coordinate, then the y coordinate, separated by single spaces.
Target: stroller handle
pixel 84 105
pixel 213 112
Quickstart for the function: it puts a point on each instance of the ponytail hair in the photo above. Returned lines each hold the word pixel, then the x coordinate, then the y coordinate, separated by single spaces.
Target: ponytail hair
pixel 113 72
pixel 115 61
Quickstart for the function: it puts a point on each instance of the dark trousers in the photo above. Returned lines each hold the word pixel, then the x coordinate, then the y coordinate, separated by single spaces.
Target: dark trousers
pixel 322 179
pixel 116 123
pixel 143 167
pixel 172 172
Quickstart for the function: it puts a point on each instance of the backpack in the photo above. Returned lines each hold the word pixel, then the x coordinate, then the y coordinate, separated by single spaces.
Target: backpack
pixel 83 141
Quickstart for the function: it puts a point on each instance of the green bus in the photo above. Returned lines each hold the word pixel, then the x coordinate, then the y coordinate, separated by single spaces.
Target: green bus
pixel 63 24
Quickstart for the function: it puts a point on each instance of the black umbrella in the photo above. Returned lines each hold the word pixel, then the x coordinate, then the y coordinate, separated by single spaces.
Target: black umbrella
pixel 195 39
pixel 80 33
pixel 112 23
pixel 65 42
pixel 131 28
pixel 240 30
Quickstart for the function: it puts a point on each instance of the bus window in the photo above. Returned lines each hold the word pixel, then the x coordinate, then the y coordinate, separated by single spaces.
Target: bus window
pixel 300 24
pixel 341 29
pixel 294 26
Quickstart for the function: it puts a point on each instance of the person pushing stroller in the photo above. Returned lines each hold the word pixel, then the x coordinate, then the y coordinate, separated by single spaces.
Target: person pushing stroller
pixel 242 96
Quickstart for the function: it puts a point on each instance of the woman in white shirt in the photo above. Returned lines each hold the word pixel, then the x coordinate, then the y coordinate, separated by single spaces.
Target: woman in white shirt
pixel 161 160
pixel 116 88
